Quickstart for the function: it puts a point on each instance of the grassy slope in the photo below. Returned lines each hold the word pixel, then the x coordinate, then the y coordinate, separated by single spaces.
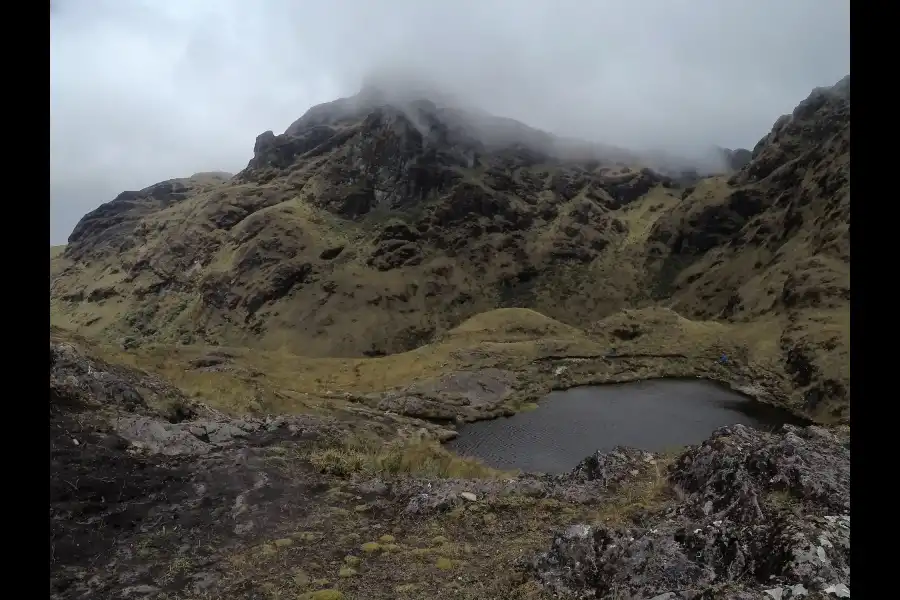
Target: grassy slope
pixel 520 340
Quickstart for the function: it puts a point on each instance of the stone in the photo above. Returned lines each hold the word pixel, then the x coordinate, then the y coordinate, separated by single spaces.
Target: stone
pixel 722 525
pixel 839 589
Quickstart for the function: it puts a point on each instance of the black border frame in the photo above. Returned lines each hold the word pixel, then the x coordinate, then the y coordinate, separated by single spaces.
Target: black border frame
pixel 871 498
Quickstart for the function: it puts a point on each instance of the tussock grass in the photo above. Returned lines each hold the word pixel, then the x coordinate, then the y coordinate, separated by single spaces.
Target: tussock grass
pixel 645 494
pixel 423 458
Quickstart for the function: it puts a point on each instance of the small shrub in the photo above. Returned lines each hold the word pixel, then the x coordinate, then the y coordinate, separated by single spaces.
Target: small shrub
pixel 420 457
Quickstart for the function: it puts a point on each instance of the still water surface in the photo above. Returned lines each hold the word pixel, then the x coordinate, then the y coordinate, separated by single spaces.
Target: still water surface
pixel 569 425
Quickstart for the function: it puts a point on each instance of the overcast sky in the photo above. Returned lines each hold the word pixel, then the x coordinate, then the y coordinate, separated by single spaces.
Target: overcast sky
pixel 147 90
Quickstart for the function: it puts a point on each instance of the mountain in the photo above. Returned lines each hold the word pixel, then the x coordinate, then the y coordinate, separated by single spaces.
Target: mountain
pixel 376 224
pixel 772 241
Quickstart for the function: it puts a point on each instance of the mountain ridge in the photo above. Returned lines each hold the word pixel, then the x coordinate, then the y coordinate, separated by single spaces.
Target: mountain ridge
pixel 366 231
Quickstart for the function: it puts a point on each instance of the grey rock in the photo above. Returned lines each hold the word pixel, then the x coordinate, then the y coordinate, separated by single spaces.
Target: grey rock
pixel 139 591
pixel 609 468
pixel 430 502
pixel 461 394
pixel 158 436
pixel 839 589
pixel 754 511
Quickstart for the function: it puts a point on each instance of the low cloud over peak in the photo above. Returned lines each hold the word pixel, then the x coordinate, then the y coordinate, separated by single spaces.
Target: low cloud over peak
pixel 147 90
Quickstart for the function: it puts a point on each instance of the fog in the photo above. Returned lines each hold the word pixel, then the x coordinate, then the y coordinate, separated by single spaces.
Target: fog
pixel 147 90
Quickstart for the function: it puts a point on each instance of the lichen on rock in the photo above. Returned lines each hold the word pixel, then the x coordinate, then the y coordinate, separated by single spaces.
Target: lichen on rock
pixel 757 512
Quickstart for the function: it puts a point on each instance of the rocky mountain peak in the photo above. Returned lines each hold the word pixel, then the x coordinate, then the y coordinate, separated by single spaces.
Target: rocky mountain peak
pixel 822 115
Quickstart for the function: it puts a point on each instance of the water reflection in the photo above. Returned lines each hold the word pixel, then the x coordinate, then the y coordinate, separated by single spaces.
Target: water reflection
pixel 655 415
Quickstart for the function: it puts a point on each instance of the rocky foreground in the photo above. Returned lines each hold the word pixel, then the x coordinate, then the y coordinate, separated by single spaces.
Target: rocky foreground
pixel 156 496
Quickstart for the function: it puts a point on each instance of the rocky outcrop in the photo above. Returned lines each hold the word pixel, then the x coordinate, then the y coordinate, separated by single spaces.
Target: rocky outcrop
pixel 754 515
pixel 110 226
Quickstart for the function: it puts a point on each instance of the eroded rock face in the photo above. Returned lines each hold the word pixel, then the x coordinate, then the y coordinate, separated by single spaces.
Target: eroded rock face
pixel 760 515
pixel 77 379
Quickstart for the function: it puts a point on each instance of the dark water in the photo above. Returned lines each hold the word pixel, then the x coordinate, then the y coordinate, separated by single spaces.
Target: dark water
pixel 653 415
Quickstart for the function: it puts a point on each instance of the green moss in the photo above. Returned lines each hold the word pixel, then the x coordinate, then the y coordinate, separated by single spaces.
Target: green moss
pixel 301 579
pixel 387 539
pixel 284 542
pixel 323 595
pixel 352 560
pixel 347 572
pixel 444 563
pixel 370 547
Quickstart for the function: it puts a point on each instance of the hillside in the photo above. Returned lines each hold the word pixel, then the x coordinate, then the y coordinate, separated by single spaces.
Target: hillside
pixel 372 227
pixel 773 241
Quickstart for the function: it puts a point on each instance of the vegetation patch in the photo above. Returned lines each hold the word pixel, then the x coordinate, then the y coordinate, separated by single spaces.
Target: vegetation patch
pixel 421 458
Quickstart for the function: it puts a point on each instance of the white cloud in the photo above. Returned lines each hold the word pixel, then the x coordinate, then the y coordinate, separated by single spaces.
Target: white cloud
pixel 146 90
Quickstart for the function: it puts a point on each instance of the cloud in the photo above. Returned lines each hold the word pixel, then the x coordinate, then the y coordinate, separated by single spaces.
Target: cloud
pixel 146 90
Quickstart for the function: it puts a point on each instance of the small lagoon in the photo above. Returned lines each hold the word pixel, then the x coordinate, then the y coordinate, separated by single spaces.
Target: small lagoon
pixel 655 415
